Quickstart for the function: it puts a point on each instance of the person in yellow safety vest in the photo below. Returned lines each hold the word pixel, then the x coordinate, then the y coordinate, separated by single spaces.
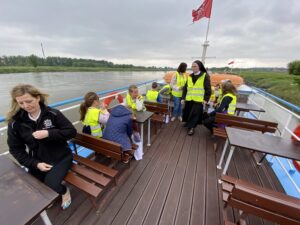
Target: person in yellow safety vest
pixel 134 100
pixel 196 93
pixel 213 95
pixel 177 83
pixel 90 115
pixel 227 106
pixel 165 93
pixel 153 95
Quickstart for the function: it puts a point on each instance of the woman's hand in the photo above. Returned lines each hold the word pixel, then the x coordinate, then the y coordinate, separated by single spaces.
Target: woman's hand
pixel 182 102
pixel 44 167
pixel 40 134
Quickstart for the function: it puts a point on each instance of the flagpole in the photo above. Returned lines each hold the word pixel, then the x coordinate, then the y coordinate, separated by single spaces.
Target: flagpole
pixel 205 45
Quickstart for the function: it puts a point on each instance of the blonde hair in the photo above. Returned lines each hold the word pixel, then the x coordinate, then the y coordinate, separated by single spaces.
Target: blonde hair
pixel 89 99
pixel 20 90
pixel 228 87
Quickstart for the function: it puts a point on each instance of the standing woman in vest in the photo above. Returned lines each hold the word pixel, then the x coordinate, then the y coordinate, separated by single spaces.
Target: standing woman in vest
pixel 91 115
pixel 44 131
pixel 177 83
pixel 227 105
pixel 196 92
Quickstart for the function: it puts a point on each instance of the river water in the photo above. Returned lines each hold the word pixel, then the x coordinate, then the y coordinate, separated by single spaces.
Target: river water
pixel 66 85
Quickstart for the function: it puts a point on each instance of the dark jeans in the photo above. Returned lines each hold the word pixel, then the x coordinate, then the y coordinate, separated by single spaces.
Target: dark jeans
pixel 209 123
pixel 55 176
pixel 192 113
pixel 177 111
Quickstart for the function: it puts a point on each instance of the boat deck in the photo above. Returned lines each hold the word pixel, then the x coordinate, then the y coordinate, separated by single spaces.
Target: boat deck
pixel 175 183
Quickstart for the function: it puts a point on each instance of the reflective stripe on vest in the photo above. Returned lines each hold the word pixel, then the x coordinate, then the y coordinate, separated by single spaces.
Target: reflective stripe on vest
pixel 181 80
pixel 232 105
pixel 195 92
pixel 152 95
pixel 92 119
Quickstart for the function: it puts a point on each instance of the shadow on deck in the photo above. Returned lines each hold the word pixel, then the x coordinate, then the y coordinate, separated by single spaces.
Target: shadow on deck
pixel 175 183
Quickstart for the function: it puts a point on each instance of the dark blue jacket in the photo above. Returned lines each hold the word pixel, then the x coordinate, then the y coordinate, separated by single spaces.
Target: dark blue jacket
pixel 119 127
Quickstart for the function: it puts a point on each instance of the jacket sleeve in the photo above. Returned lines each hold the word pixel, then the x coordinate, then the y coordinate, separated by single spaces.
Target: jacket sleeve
pixel 184 91
pixel 129 128
pixel 64 129
pixel 173 83
pixel 18 149
pixel 207 88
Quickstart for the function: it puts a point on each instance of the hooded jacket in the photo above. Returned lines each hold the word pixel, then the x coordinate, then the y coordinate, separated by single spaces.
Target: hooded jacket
pixel 119 127
pixel 50 150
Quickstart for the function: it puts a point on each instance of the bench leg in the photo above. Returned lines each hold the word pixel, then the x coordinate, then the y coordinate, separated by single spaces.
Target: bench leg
pixel 219 166
pixel 93 201
pixel 45 218
pixel 149 132
pixel 261 160
pixel 228 160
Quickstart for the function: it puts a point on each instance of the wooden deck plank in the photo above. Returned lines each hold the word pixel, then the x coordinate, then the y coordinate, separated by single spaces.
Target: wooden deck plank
pixel 168 215
pixel 199 196
pixel 212 194
pixel 150 174
pixel 186 199
pixel 145 201
pixel 157 205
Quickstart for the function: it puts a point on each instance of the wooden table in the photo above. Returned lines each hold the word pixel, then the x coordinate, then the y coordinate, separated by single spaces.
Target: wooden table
pixel 142 117
pixel 22 196
pixel 256 141
pixel 245 107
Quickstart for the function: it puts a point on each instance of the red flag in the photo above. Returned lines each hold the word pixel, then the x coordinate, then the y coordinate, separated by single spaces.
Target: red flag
pixel 203 11
pixel 232 62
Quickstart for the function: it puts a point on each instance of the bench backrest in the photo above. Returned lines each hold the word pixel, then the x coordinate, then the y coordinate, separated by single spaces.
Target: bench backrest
pixel 157 107
pixel 99 145
pixel 266 203
pixel 246 123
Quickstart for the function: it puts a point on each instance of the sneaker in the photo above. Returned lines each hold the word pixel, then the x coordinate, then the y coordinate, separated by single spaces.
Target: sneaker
pixel 180 118
pixel 136 137
pixel 191 131
pixel 173 118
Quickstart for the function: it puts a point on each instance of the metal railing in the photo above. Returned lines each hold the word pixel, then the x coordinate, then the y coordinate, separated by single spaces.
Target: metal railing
pixel 286 119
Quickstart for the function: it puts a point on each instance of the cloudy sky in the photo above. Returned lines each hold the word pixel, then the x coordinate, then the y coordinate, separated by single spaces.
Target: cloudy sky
pixel 253 33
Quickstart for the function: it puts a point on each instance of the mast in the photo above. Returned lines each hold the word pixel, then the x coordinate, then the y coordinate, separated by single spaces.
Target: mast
pixel 43 50
pixel 205 44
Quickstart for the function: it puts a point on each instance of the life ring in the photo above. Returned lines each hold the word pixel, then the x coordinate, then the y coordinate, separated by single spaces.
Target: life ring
pixel 297 133
pixel 108 100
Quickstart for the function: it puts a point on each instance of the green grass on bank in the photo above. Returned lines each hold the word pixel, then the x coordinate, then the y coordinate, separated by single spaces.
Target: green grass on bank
pixel 25 69
pixel 282 85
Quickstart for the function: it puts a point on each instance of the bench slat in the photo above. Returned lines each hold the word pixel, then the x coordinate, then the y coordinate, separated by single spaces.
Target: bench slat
pixel 95 177
pixel 96 166
pixel 83 184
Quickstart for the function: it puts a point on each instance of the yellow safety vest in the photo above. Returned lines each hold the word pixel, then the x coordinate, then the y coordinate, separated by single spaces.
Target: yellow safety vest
pixel 213 94
pixel 131 103
pixel 92 119
pixel 181 80
pixel 169 89
pixel 232 105
pixel 152 95
pixel 195 92
pixel 220 96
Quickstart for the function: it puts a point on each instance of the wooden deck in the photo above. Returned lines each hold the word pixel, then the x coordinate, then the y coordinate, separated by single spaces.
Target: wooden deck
pixel 175 183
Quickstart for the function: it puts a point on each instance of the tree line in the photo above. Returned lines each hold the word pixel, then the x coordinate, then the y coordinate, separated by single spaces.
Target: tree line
pixel 294 67
pixel 35 61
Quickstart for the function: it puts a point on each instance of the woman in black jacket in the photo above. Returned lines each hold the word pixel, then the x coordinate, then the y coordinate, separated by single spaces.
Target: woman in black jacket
pixel 44 131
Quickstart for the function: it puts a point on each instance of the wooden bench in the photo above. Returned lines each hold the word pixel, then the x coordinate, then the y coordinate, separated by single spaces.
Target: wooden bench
pixel 90 176
pixel 242 122
pixel 161 111
pixel 265 203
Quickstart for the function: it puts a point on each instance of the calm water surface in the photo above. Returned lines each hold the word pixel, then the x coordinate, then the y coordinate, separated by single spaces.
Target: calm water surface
pixel 65 85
